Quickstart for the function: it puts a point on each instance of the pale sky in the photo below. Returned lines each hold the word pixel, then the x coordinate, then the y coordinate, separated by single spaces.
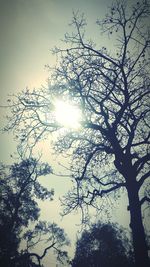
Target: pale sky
pixel 28 30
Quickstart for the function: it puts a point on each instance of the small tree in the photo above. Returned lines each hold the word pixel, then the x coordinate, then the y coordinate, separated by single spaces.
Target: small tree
pixel 111 86
pixel 19 190
pixel 103 245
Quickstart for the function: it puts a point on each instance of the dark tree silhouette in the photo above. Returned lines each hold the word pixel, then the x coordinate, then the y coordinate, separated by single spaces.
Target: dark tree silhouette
pixel 19 190
pixel 103 245
pixel 48 233
pixel 111 86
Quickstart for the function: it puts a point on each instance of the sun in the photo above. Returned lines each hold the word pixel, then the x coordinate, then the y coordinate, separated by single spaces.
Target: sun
pixel 67 115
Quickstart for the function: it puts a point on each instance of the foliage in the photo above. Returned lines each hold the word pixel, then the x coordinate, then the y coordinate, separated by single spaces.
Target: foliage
pixel 103 245
pixel 19 191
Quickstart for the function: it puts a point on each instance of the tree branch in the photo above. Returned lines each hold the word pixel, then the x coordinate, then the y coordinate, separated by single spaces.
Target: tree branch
pixel 139 164
pixel 144 199
pixel 143 178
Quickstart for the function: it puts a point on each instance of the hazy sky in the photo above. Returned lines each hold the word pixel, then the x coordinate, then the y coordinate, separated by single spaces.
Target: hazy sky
pixel 28 30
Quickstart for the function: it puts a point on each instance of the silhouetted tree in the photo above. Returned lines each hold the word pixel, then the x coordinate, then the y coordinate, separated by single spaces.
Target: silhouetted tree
pixel 111 86
pixel 19 190
pixel 50 234
pixel 103 245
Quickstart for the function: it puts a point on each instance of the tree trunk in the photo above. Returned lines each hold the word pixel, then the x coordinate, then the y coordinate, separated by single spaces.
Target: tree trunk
pixel 136 224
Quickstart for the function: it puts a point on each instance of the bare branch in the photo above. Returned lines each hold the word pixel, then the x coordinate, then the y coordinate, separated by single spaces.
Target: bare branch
pixel 144 199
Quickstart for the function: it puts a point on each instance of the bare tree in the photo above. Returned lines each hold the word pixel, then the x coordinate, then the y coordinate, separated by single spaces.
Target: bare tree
pixel 111 86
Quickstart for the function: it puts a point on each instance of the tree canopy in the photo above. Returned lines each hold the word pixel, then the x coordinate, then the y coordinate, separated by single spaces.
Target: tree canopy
pixel 103 245
pixel 20 190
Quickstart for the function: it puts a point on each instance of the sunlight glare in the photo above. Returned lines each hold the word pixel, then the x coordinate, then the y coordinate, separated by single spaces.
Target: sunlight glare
pixel 67 114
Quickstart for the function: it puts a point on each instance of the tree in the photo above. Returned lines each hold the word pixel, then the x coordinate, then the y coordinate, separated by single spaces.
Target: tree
pixel 111 86
pixel 19 190
pixel 103 245
pixel 48 233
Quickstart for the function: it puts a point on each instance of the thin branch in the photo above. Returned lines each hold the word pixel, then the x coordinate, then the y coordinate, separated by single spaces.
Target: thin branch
pixel 144 199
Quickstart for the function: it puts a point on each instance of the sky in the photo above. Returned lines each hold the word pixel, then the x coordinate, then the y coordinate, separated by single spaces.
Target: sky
pixel 29 29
